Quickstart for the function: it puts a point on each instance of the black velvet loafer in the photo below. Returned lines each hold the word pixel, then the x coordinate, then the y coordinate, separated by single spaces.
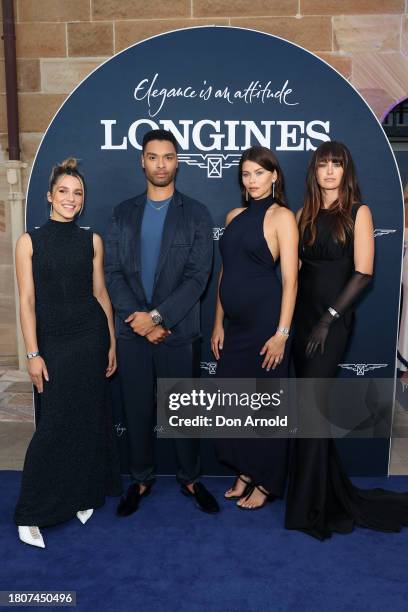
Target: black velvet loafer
pixel 204 500
pixel 130 502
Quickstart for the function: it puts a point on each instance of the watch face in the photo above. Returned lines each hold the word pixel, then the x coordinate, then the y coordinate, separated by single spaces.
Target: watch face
pixel 156 319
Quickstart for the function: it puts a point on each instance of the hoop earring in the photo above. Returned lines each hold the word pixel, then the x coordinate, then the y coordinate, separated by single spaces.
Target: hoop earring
pixel 273 189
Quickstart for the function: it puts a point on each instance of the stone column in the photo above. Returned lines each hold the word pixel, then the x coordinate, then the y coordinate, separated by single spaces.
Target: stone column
pixel 16 198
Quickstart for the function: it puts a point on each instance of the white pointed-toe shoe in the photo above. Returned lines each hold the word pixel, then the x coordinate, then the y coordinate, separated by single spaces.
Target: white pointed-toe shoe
pixel 31 535
pixel 84 515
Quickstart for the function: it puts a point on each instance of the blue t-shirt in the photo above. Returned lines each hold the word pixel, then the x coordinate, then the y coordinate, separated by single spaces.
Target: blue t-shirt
pixel 154 217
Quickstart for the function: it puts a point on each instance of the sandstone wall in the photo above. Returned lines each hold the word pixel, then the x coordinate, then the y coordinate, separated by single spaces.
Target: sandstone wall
pixel 59 43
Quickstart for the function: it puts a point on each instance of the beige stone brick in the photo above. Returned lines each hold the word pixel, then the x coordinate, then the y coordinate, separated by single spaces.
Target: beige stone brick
pixel 3 147
pixel 353 7
pixel 3 113
pixel 28 75
pixel 8 344
pixel 2 217
pixel 381 71
pixel 29 146
pixel 40 39
pixel 313 33
pixel 378 100
pixel 90 39
pixel 243 8
pixel 2 77
pixel 139 9
pixel 25 176
pixel 6 275
pixel 53 10
pixel 358 33
pixel 37 110
pixel 342 63
pixel 63 75
pixel 129 32
pixel 404 36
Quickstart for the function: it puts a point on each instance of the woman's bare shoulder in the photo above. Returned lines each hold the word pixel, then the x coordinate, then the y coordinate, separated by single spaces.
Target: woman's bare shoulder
pixel 280 215
pixel 24 244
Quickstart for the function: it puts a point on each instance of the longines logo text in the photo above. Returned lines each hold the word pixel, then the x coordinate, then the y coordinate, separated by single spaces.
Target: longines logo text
pixel 215 145
pixel 218 138
pixel 230 135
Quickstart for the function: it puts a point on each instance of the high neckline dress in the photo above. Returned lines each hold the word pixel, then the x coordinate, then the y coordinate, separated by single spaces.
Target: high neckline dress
pixel 71 462
pixel 250 294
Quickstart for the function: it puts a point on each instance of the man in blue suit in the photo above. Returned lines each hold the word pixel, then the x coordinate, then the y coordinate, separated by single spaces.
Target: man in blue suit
pixel 157 264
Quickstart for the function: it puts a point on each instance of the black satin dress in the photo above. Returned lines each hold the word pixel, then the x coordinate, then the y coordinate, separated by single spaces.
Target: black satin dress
pixel 321 499
pixel 250 294
pixel 71 462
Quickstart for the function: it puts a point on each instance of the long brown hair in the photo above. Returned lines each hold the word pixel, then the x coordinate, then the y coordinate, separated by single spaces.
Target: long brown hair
pixel 267 160
pixel 349 193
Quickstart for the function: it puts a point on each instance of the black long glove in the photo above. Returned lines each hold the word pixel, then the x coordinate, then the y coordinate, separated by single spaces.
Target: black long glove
pixel 351 292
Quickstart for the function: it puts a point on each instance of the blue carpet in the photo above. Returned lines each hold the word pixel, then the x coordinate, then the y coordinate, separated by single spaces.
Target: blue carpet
pixel 170 556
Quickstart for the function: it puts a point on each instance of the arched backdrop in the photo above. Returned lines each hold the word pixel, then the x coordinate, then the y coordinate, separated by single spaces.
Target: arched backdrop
pixel 221 90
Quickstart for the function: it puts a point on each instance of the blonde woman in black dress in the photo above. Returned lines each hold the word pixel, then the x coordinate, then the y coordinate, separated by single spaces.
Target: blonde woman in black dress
pixel 67 324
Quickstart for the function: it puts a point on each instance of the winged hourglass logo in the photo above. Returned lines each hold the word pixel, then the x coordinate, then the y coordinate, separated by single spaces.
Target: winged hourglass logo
pixel 361 368
pixel 209 366
pixel 214 163
pixel 383 232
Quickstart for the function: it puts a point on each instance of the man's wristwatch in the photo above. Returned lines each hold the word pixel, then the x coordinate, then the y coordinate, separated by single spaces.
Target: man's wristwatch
pixel 156 317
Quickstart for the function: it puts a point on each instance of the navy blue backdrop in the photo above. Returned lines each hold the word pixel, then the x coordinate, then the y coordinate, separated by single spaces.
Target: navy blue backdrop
pixel 402 161
pixel 221 90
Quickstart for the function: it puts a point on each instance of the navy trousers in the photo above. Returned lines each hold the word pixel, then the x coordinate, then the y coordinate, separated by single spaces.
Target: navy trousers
pixel 140 363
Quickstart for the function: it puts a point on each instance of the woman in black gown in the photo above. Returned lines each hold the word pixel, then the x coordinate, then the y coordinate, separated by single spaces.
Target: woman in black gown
pixel 337 255
pixel 259 310
pixel 66 319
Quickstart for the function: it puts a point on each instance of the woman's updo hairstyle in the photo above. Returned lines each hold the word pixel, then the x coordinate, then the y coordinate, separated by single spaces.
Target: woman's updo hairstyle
pixel 68 166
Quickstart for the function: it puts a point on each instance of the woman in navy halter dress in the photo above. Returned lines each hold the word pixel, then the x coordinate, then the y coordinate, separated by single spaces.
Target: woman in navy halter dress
pixel 259 316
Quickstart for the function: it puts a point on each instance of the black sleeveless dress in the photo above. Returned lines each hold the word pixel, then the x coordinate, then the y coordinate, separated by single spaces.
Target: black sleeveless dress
pixel 250 294
pixel 71 462
pixel 321 499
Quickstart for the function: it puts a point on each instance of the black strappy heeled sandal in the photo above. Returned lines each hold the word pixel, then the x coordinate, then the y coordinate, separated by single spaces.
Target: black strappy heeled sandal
pixel 244 492
pixel 268 498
